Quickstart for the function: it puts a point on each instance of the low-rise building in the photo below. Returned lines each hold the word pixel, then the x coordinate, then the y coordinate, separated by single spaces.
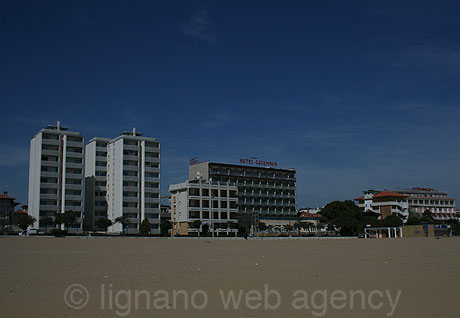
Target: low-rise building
pixel 7 205
pixel 437 202
pixel 384 203
pixel 200 206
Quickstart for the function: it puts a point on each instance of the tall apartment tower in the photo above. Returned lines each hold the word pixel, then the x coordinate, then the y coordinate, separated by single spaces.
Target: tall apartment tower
pixel 56 174
pixel 123 179
pixel 95 181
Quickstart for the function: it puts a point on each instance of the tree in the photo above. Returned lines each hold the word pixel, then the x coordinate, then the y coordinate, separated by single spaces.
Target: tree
pixel 124 222
pixel 391 221
pixel 145 227
pixel 413 220
pixel 346 216
pixel 3 225
pixel 67 218
pixel 104 224
pixel 455 226
pixel 23 220
pixel 262 226
pixel 298 225
pixel 427 216
pixel 46 221
pixel 288 227
pixel 165 226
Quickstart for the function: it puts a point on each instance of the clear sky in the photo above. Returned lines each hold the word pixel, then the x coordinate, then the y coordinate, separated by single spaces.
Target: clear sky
pixel 353 94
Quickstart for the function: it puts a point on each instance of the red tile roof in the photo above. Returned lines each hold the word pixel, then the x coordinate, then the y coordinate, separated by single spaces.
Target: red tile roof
pixel 308 215
pixel 360 198
pixel 387 193
pixel 7 197
pixel 20 211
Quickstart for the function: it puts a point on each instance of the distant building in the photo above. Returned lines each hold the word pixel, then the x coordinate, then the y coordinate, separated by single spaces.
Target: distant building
pixel 165 212
pixel 7 205
pixel 123 179
pixel 56 174
pixel 212 205
pixel 310 215
pixel 439 203
pixel 263 192
pixel 384 203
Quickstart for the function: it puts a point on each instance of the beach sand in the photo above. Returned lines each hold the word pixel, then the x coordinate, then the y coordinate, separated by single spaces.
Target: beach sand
pixel 36 272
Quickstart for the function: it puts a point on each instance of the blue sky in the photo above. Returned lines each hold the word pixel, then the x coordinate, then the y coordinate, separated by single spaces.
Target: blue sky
pixel 353 94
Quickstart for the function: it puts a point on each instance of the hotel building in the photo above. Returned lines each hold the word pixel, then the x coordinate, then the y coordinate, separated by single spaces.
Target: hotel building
pixel 263 192
pixel 384 203
pixel 439 203
pixel 212 206
pixel 56 174
pixel 123 177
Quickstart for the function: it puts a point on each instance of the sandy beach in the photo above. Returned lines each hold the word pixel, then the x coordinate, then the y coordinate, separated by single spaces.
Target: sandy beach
pixel 276 278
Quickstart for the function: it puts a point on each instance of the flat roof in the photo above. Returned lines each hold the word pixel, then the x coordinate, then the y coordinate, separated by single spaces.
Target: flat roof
pixel 248 167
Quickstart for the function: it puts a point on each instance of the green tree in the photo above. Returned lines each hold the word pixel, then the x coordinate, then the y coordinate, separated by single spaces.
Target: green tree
pixel 288 227
pixel 262 226
pixel 298 226
pixel 427 216
pixel 23 221
pixel 165 226
pixel 345 215
pixel 391 221
pixel 455 225
pixel 124 223
pixel 413 220
pixel 145 227
pixel 103 223
pixel 3 225
pixel 67 218
pixel 196 224
pixel 46 221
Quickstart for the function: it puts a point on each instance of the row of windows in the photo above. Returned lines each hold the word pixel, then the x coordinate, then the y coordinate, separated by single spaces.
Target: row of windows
pixel 441 202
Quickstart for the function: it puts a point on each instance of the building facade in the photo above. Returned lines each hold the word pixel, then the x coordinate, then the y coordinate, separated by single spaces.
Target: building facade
pixel 203 206
pixel 384 203
pixel 123 177
pixel 439 203
pixel 56 174
pixel 95 181
pixel 7 205
pixel 262 192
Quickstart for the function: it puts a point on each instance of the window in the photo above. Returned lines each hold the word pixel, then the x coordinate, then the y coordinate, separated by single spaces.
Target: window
pixel 100 163
pixel 129 173
pixel 74 149
pixel 152 154
pixel 74 160
pixel 72 181
pixel 74 139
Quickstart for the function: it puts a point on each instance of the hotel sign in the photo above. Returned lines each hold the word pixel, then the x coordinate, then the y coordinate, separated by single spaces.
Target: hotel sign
pixel 257 161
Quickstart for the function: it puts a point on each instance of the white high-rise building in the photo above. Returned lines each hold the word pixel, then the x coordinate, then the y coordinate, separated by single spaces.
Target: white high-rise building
pixel 56 174
pixel 127 178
